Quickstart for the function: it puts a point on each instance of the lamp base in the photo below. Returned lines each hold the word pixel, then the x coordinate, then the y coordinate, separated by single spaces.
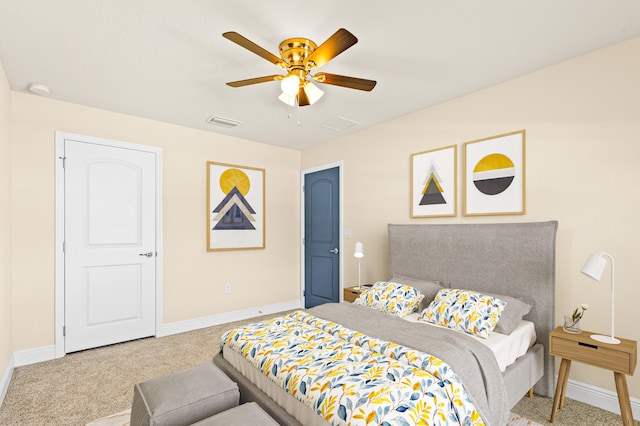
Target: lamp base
pixel 605 339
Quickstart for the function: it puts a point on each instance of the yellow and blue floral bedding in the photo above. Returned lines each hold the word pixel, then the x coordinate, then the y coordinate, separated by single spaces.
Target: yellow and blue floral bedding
pixel 393 298
pixel 347 377
pixel 469 311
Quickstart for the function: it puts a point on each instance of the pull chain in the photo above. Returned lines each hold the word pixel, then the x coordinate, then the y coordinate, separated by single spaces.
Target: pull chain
pixel 297 106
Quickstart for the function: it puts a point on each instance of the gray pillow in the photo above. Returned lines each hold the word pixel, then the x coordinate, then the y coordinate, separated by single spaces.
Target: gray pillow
pixel 512 313
pixel 428 288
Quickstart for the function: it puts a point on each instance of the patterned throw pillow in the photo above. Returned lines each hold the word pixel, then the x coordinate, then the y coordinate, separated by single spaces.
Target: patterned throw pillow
pixel 393 298
pixel 428 288
pixel 464 310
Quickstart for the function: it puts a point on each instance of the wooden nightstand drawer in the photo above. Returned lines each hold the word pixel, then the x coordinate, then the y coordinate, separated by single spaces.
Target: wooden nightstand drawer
pixel 350 295
pixel 592 353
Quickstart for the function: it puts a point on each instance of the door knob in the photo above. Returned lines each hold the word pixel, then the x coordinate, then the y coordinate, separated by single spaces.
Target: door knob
pixel 334 250
pixel 148 254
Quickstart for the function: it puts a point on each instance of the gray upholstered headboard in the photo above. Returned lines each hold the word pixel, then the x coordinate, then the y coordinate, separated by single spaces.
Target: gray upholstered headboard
pixel 514 259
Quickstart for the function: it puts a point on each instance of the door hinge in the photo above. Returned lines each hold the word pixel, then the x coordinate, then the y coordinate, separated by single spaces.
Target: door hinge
pixel 64 161
pixel 64 330
pixel 64 246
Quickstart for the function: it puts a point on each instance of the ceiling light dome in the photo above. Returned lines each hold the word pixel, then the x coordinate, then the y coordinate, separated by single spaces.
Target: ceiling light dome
pixel 39 88
pixel 290 85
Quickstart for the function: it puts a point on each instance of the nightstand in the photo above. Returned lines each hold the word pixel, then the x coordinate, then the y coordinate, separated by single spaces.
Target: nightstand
pixel 621 359
pixel 350 294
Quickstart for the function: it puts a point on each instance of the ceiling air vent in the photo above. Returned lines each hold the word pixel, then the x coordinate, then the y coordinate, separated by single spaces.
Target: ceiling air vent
pixel 340 124
pixel 221 121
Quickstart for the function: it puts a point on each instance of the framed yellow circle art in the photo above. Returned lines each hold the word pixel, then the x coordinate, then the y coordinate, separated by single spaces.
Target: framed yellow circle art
pixel 494 175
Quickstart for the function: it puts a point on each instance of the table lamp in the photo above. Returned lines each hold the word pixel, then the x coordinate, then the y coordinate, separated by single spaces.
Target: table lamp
pixel 358 254
pixel 594 267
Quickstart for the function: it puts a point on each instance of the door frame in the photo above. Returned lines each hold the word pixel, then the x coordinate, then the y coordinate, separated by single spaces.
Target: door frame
pixel 59 274
pixel 303 173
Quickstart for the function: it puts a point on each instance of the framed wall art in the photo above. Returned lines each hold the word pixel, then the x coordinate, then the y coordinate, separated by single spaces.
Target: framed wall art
pixel 235 207
pixel 494 175
pixel 433 182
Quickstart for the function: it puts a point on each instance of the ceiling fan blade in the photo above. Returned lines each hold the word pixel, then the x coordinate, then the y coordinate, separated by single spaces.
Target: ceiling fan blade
pixel 251 46
pixel 340 41
pixel 256 80
pixel 345 81
pixel 303 99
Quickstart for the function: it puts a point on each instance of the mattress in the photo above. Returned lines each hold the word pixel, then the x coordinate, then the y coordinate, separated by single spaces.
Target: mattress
pixel 295 408
pixel 506 348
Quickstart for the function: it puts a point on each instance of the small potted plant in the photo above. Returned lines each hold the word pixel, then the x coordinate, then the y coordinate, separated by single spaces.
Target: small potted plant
pixel 571 321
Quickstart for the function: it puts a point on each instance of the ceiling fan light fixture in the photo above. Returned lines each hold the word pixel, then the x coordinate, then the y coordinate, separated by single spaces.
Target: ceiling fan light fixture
pixel 299 56
pixel 313 92
pixel 289 100
pixel 290 84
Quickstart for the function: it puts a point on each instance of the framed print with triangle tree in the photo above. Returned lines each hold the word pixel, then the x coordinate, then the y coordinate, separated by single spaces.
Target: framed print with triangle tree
pixel 433 182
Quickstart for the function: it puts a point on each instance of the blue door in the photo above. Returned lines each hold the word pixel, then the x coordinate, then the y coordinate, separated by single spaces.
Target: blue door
pixel 322 237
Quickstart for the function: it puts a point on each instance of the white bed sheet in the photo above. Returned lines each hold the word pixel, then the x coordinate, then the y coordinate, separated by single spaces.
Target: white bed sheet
pixel 506 348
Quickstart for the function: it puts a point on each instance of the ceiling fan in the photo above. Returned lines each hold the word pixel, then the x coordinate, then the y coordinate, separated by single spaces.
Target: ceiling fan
pixel 300 56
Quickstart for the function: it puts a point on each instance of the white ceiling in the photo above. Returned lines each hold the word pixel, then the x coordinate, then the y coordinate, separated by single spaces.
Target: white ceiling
pixel 167 60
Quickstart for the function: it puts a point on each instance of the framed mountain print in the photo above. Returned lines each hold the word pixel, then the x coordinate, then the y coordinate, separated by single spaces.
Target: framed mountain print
pixel 235 207
pixel 433 182
pixel 494 175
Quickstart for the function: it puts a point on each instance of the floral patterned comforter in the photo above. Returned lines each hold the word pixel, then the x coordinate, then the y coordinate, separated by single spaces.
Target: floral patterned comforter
pixel 347 377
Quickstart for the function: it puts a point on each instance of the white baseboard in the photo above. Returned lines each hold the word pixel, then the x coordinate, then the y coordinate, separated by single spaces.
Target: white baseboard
pixel 598 397
pixel 31 356
pixel 197 323
pixel 6 379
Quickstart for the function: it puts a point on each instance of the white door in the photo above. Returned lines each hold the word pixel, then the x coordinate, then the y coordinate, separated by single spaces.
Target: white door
pixel 110 244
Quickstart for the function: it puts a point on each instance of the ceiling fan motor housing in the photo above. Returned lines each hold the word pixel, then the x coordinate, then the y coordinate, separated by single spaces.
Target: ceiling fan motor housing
pixel 295 51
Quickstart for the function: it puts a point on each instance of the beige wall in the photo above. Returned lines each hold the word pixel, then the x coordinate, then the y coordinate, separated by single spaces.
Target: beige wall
pixel 582 119
pixel 193 277
pixel 5 225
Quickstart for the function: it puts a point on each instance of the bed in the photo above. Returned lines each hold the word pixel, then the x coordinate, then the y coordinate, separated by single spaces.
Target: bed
pixel 515 260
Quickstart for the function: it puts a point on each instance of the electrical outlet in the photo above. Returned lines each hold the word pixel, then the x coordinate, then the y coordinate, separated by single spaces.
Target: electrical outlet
pixel 227 287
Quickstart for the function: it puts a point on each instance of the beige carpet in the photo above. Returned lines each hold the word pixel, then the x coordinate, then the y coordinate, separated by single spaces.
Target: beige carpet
pixel 84 386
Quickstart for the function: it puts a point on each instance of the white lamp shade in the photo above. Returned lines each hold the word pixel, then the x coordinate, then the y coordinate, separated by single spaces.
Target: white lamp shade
pixel 594 267
pixel 359 252
pixel 313 93
pixel 290 85
pixel 289 100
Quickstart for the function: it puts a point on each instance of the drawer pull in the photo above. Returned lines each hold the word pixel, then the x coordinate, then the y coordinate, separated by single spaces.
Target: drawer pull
pixel 588 345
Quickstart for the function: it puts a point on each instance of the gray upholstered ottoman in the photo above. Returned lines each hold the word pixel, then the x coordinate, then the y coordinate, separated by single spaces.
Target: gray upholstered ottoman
pixel 184 397
pixel 249 414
